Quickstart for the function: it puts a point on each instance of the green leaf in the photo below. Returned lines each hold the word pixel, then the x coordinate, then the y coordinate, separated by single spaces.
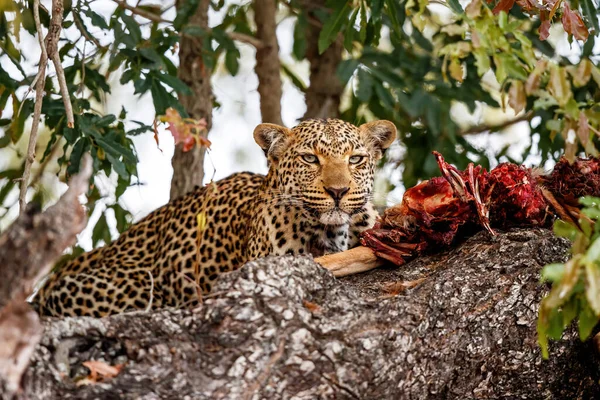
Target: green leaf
pixel 232 61
pixel 101 231
pixel 346 69
pixel 133 27
pixel 106 121
pixel 118 166
pixel 455 6
pixel 553 272
pixel 76 155
pixel 299 48
pixel 160 97
pixel 590 201
pixel 293 77
pixel 593 252
pixel 97 19
pixel 591 12
pixel 116 150
pixel 177 84
pixel 564 229
pixel 333 24
pixel 587 321
pixel 365 85
pixel 592 286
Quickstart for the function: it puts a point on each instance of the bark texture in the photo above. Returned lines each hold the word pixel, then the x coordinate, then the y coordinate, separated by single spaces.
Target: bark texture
pixel 456 325
pixel 188 167
pixel 28 249
pixel 325 90
pixel 268 66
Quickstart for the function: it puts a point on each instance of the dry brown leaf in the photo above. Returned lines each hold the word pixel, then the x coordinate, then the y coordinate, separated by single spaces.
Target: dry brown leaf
pixel 100 371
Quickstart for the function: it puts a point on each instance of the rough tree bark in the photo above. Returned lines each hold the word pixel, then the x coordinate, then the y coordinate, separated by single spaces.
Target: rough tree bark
pixel 28 249
pixel 268 67
pixel 188 167
pixel 456 325
pixel 325 90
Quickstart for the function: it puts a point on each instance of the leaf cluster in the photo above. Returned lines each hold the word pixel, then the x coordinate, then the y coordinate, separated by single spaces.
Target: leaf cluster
pixel 575 293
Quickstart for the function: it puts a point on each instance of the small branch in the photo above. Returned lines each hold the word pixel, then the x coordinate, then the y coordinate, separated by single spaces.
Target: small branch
pixel 240 37
pixel 142 13
pixel 49 47
pixel 37 110
pixel 494 128
pixel 84 33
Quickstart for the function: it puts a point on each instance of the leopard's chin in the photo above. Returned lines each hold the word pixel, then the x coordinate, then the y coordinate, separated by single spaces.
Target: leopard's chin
pixel 334 217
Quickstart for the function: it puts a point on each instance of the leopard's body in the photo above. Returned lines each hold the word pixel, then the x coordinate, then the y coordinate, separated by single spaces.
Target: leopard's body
pixel 316 198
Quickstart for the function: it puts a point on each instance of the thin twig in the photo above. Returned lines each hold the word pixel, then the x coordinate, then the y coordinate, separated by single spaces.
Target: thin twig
pixel 494 128
pixel 240 37
pixel 84 33
pixel 37 110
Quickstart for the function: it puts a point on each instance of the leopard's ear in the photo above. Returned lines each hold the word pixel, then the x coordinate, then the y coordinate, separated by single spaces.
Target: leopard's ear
pixel 379 135
pixel 271 138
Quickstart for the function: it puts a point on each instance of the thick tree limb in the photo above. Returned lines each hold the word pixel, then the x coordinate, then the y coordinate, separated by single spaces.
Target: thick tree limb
pixel 463 327
pixel 268 66
pixel 28 250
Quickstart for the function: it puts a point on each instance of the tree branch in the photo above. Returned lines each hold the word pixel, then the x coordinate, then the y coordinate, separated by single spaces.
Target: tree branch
pixel 28 250
pixel 240 37
pixel 40 80
pixel 268 67
pixel 494 128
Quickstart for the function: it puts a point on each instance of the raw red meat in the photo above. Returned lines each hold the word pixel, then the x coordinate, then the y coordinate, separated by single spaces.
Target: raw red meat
pixel 437 212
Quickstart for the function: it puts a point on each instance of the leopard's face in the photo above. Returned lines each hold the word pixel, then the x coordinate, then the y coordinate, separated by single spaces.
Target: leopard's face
pixel 325 166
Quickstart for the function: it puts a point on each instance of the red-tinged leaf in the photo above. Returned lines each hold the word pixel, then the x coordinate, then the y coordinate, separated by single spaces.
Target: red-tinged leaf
pixel 544 30
pixel 202 141
pixel 527 5
pixel 503 5
pixel 188 143
pixel 573 23
pixel 554 9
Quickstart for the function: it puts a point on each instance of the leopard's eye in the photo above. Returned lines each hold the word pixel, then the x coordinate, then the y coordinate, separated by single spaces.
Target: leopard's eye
pixel 356 159
pixel 310 158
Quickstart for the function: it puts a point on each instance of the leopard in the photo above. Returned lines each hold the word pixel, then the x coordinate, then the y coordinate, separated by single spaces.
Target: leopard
pixel 316 199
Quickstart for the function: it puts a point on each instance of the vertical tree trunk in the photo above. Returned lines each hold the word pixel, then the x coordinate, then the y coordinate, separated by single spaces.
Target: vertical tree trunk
pixel 267 61
pixel 188 167
pixel 325 90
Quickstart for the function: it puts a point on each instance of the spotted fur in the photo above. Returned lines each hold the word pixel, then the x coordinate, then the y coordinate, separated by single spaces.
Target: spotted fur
pixel 316 198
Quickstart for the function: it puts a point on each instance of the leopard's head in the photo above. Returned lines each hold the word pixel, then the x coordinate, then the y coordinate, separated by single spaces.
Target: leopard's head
pixel 325 166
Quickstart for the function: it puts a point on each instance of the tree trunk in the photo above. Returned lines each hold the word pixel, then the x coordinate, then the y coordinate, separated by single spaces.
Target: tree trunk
pixel 188 167
pixel 268 68
pixel 325 90
pixel 461 324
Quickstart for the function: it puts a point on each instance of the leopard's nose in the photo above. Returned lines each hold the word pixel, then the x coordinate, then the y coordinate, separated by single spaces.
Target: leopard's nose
pixel 337 193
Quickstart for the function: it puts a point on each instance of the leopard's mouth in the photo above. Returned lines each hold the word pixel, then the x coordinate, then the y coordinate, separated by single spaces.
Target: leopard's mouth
pixel 334 217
